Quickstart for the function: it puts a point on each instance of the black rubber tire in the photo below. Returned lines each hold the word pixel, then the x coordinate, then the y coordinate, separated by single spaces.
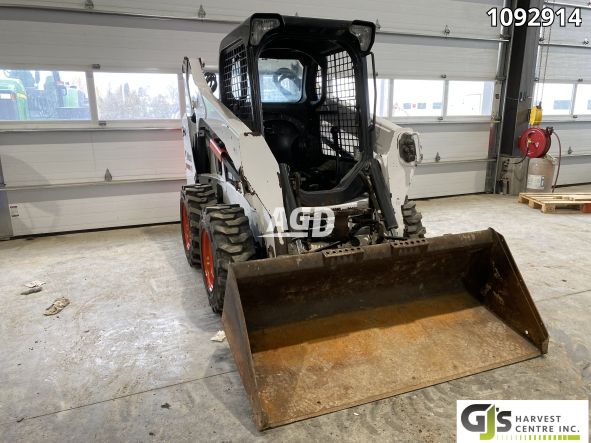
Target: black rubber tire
pixel 413 226
pixel 194 198
pixel 232 241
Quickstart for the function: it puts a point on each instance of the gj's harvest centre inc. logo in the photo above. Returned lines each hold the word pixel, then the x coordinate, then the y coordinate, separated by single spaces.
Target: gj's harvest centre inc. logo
pixel 522 420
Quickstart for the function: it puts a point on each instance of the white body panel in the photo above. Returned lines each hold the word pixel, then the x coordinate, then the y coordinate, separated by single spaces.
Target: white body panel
pixel 397 172
pixel 250 154
pixel 253 157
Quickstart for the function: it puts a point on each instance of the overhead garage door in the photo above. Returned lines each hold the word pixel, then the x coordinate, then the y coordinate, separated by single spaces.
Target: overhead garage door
pixel 564 88
pixel 115 168
pixel 447 44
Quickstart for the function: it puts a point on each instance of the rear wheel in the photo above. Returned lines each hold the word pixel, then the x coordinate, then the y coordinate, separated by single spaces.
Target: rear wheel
pixel 194 199
pixel 413 226
pixel 225 238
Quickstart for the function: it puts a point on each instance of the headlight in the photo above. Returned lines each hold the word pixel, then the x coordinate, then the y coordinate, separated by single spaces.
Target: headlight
pixel 363 34
pixel 407 147
pixel 259 27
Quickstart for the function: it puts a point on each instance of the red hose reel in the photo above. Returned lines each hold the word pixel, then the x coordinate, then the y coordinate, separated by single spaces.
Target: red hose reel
pixel 535 142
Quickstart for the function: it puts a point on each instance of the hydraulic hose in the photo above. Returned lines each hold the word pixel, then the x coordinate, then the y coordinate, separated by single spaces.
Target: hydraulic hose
pixel 559 161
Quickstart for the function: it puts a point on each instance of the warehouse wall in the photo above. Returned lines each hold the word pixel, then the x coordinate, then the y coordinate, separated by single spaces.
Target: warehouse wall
pixel 449 40
pixel 55 172
pixel 565 58
pixel 466 18
pixel 49 195
pixel 58 178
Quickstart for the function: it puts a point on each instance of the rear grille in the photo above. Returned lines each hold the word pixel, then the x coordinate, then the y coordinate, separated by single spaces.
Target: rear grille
pixel 339 109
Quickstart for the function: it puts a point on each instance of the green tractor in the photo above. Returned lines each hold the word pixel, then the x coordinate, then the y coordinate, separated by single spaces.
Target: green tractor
pixel 13 100
pixel 42 99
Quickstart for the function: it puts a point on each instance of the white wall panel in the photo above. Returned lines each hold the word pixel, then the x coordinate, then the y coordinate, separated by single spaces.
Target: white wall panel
pixel 463 17
pixel 575 170
pixel 576 167
pixel 575 2
pixel 50 44
pixel 438 180
pixel 461 141
pixel 37 163
pixel 61 157
pixel 92 207
pixel 44 159
pixel 570 34
pixel 575 135
pixel 568 64
pixel 416 57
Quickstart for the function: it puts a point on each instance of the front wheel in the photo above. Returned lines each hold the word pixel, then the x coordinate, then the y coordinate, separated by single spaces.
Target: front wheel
pixel 225 238
pixel 413 225
pixel 194 199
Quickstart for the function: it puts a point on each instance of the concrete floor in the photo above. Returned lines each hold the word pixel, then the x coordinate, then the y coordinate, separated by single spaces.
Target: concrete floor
pixel 136 336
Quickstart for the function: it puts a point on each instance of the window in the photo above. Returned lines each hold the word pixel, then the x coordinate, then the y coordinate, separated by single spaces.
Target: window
pixel 124 96
pixel 414 98
pixel 280 80
pixel 583 99
pixel 556 98
pixel 561 105
pixel 383 86
pixel 27 95
pixel 470 98
pixel 192 89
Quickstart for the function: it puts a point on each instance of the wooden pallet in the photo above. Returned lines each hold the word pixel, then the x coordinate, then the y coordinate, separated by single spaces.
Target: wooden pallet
pixel 548 202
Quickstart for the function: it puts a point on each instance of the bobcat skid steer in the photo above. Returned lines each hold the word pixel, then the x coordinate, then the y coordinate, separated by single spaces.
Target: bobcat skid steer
pixel 296 212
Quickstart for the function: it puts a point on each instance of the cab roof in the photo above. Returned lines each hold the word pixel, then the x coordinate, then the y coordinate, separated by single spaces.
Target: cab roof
pixel 320 32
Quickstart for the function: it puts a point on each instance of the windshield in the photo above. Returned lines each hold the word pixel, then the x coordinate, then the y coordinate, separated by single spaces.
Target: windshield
pixel 280 80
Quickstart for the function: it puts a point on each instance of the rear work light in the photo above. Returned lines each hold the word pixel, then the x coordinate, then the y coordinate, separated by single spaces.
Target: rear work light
pixel 363 34
pixel 259 27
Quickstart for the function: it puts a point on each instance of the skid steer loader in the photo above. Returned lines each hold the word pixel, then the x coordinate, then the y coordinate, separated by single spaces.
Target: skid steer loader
pixel 296 212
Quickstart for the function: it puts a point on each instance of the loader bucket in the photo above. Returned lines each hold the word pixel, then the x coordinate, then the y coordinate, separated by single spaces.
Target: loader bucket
pixel 324 331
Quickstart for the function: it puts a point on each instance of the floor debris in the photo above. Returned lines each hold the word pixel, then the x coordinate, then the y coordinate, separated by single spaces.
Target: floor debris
pixel 57 306
pixel 220 336
pixel 32 290
pixel 165 406
pixel 34 284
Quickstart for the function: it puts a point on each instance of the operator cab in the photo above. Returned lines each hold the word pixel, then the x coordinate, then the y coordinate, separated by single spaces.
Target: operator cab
pixel 302 83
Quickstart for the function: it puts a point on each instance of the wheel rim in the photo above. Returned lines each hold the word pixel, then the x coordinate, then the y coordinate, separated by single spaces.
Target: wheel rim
pixel 207 260
pixel 185 227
